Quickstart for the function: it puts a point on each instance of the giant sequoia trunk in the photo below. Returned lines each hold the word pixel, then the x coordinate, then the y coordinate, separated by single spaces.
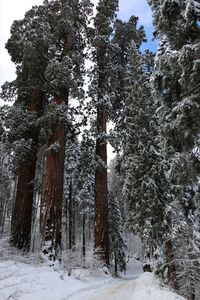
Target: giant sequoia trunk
pixel 101 186
pixel 52 193
pixel 103 24
pixel 101 190
pixel 22 210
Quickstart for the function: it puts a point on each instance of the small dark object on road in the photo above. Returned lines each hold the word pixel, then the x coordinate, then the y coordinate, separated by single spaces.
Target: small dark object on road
pixel 147 268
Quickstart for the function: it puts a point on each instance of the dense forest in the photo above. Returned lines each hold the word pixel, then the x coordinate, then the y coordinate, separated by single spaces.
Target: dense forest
pixel 78 74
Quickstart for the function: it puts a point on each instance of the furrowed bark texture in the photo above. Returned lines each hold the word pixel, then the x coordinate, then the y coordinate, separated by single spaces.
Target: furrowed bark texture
pixel 103 24
pixel 101 191
pixel 52 194
pixel 22 210
pixel 101 186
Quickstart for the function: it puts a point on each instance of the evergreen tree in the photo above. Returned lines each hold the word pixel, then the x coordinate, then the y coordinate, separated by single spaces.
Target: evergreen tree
pixel 6 181
pixel 47 48
pixel 79 191
pixel 103 28
pixel 145 182
pixel 176 87
pixel 85 184
pixel 27 47
pixel 71 190
pixel 64 76
pixel 124 34
pixel 117 242
pixel 116 177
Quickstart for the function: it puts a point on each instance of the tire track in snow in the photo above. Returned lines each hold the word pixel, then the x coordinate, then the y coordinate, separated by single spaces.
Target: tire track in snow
pixel 120 290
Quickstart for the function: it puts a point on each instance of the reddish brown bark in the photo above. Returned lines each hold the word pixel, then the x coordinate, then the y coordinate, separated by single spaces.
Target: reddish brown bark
pixel 52 194
pixel 22 210
pixel 101 191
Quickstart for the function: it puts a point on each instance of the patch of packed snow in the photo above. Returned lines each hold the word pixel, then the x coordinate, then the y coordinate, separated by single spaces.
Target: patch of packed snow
pixel 147 287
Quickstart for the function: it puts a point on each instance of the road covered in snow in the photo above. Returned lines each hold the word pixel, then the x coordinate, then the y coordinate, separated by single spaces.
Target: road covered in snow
pixel 20 281
pixel 29 278
pixel 145 287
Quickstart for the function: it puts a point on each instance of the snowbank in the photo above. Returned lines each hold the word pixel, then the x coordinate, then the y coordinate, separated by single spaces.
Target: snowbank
pixel 27 276
pixel 147 287
pixel 28 282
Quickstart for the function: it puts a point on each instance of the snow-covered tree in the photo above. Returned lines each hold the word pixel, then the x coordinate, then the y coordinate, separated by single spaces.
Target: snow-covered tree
pixel 85 187
pixel 6 181
pixel 116 215
pixel 117 243
pixel 145 185
pixel 124 34
pixel 71 190
pixel 99 92
pixel 47 48
pixel 27 47
pixel 177 89
pixel 64 79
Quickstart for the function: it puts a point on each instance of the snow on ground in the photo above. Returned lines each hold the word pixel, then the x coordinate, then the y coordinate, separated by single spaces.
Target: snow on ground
pixel 145 287
pixel 25 282
pixel 27 278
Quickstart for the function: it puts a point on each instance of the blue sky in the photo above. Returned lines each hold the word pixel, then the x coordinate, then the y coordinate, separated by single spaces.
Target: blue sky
pixel 11 10
pixel 141 9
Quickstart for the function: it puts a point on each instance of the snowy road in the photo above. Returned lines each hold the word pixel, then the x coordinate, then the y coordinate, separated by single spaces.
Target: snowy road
pixel 19 281
pixel 145 287
pixel 116 291
pixel 30 279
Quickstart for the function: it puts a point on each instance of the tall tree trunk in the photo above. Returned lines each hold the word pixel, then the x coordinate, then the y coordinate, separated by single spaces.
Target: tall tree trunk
pixel 66 223
pixel 89 223
pixel 74 222
pixel 53 181
pixel 83 228
pixel 52 192
pixel 1 197
pixel 2 208
pixel 72 218
pixel 3 223
pixel 70 208
pixel 22 210
pixel 101 190
pixel 170 261
pixel 116 271
pixel 2 214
